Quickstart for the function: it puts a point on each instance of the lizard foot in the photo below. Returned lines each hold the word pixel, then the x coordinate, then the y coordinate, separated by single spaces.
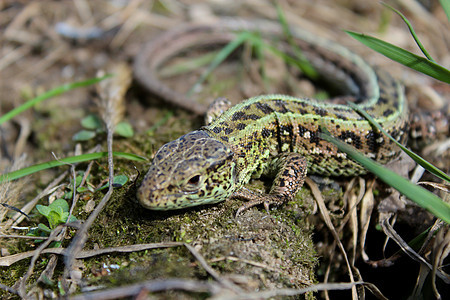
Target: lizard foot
pixel 255 198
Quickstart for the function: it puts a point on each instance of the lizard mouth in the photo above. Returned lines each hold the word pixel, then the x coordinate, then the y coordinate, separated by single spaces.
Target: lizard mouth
pixel 154 201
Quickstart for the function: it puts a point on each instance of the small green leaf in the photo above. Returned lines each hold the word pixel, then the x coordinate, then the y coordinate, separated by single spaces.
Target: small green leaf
pixel 83 135
pixel 44 228
pixel 68 195
pixel 55 245
pixel 43 210
pixel 60 203
pixel 82 189
pixel 124 129
pixel 72 219
pixel 59 210
pixel 92 122
pixel 54 219
pixel 33 232
pixel 118 181
pixel 78 180
pixel 64 217
pixel 37 232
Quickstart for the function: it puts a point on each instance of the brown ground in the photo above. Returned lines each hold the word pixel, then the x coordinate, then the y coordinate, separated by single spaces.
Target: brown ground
pixel 258 252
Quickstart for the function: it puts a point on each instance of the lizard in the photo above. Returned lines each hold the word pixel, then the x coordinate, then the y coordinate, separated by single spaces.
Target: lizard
pixel 268 135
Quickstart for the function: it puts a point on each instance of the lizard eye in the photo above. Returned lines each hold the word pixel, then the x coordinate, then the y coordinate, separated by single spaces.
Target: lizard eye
pixel 194 180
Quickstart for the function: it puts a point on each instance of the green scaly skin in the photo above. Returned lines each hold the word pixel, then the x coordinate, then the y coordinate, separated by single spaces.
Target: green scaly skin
pixel 279 136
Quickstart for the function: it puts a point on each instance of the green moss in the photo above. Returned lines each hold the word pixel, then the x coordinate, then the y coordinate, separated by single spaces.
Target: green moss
pixel 279 242
pixel 276 247
pixel 268 251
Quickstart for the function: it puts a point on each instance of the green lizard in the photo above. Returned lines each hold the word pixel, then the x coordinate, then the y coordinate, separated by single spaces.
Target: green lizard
pixel 278 136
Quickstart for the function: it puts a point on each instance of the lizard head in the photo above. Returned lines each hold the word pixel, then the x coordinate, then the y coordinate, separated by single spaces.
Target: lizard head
pixel 193 170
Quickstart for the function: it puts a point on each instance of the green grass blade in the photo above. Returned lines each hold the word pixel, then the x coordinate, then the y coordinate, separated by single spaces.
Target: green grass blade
pixel 52 93
pixel 446 6
pixel 411 30
pixel 256 39
pixel 302 63
pixel 219 58
pixel 418 241
pixel 187 66
pixel 404 57
pixel 258 48
pixel 425 164
pixel 68 160
pixel 419 195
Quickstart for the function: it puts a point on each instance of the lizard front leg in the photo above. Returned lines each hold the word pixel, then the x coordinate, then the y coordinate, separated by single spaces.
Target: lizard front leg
pixel 291 172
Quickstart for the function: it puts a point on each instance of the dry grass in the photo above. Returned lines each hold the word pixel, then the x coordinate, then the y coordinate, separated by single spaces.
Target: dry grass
pixel 46 43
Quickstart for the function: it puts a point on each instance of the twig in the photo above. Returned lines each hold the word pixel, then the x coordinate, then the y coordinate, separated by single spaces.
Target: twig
pixel 17 218
pixel 81 236
pixel 53 236
pixel 74 191
pixel 6 261
pixel 214 289
pixel 49 269
pixel 225 282
pixel 153 286
pixel 17 236
pixel 112 109
pixel 312 288
pixel 25 131
pixel 9 289
pixel 390 232
pixel 259 265
pixel 247 261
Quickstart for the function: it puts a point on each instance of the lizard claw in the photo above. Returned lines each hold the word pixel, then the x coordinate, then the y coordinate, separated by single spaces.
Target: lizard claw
pixel 245 207
pixel 255 199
